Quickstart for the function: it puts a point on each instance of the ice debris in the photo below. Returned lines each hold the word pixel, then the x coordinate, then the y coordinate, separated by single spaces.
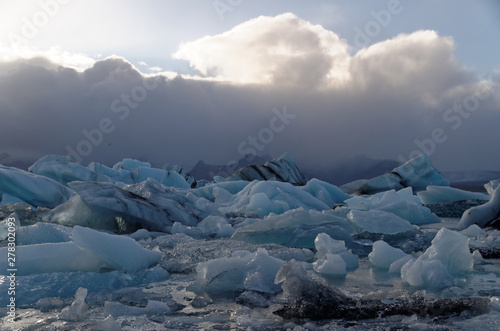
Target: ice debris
pixel 78 310
pixel 438 194
pixel 482 215
pixel 383 255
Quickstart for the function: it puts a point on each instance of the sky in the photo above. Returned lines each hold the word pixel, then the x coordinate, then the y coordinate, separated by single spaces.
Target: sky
pixel 181 81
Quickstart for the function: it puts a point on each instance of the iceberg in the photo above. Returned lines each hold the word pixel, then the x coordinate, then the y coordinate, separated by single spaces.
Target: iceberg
pixel 78 310
pixel 328 193
pixel 448 256
pixel 417 173
pixel 243 271
pixel 383 255
pixel 261 198
pixel 106 206
pixel 90 251
pixel 164 177
pixel 438 194
pixel 378 221
pixel 491 186
pixel 401 203
pixel 331 266
pixel 38 191
pixel 298 228
pixel 326 246
pixel 283 169
pixel 482 215
pixel 64 170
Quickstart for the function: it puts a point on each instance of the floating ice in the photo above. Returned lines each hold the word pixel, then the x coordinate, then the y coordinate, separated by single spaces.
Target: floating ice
pixel 283 169
pixel 417 173
pixel 131 165
pixel 297 228
pixel 401 203
pixel 261 198
pixel 325 245
pixel 483 214
pixel 78 310
pixel 212 190
pixel 216 226
pixel 116 175
pixel 448 256
pixel 438 194
pixel 119 252
pixel 378 221
pixel 38 191
pixel 91 251
pixel 64 170
pixel 106 206
pixel 41 232
pixel 383 255
pixel 491 186
pixel 243 271
pixel 474 231
pixel 164 177
pixel 328 193
pixel 333 265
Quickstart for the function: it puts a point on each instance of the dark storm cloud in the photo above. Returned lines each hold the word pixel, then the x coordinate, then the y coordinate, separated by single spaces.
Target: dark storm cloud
pixel 385 101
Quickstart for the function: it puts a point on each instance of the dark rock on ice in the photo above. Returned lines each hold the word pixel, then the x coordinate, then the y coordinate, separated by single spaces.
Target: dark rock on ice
pixel 309 297
pixel 283 169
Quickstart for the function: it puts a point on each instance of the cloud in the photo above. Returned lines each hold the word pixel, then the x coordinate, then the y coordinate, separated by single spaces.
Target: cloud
pixel 384 101
pixel 284 50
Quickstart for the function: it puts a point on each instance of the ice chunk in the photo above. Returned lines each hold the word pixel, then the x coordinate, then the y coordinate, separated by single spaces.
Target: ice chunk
pixel 297 228
pixel 381 183
pixel 448 256
pixel 101 205
pixel 209 191
pixel 41 232
pixel 353 187
pixel 216 226
pixel 38 191
pixel 116 176
pixel 188 209
pixel 474 231
pixel 131 165
pixel 417 173
pixel 378 221
pixel 7 198
pixel 242 271
pixel 426 273
pixel 78 310
pixel 383 255
pixel 260 198
pixel 164 177
pixel 119 252
pixel 333 265
pixel 438 194
pixel 108 324
pixel 64 170
pixel 324 244
pixel 491 186
pixel 420 173
pixel 399 263
pixel 53 257
pixel 483 214
pixel 153 307
pixel 328 193
pixel 283 169
pixel 402 203
pixel 178 169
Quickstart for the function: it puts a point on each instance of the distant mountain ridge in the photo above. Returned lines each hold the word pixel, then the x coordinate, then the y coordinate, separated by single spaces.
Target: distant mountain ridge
pixel 206 171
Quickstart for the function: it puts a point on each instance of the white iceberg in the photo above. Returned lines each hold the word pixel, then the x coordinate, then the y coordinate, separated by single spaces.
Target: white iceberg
pixel 437 194
pixel 447 257
pixel 79 310
pixel 64 170
pixel 401 203
pixel 378 221
pixel 243 271
pixel 383 255
pixel 261 198
pixel 38 191
pixel 328 193
pixel 325 246
pixel 332 265
pixel 491 186
pixel 483 214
